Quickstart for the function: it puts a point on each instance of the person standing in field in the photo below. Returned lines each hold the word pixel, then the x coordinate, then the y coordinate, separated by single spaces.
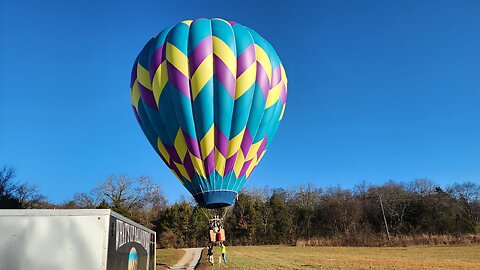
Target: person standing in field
pixel 210 254
pixel 223 249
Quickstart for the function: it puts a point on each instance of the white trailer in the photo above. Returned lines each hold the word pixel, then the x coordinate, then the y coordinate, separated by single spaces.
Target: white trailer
pixel 78 239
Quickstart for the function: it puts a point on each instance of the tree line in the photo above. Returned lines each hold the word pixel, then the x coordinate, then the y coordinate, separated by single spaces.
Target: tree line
pixel 415 212
pixel 418 212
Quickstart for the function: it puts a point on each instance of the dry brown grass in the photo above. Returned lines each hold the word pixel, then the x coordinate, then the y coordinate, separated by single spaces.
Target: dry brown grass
pixel 398 241
pixel 288 257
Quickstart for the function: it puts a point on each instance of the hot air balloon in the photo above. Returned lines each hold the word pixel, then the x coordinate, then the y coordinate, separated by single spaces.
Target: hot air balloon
pixel 209 95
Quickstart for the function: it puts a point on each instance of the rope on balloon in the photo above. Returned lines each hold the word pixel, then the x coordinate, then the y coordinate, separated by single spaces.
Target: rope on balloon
pixel 203 211
pixel 225 211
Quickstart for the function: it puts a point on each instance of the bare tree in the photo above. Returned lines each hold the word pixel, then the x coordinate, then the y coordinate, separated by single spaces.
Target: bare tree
pixel 394 202
pixel 138 198
pixel 6 182
pixel 86 200
pixel 468 191
pixel 123 192
pixel 18 195
pixel 468 199
pixel 422 186
pixel 29 196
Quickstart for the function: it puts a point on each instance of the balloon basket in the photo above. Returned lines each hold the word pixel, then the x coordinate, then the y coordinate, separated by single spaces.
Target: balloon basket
pixel 216 230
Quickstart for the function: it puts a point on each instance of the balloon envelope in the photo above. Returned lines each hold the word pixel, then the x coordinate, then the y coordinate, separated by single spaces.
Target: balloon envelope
pixel 209 96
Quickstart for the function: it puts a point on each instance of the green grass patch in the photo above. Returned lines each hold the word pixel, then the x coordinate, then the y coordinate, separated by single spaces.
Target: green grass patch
pixel 167 257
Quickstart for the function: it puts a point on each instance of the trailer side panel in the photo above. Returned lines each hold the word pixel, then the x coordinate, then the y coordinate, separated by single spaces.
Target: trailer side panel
pixel 52 241
pixel 130 245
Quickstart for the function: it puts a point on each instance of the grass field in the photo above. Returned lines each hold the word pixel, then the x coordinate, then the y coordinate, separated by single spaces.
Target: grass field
pixel 287 257
pixel 168 257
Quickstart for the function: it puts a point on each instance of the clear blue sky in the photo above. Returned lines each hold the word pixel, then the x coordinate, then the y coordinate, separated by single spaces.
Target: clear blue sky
pixel 378 90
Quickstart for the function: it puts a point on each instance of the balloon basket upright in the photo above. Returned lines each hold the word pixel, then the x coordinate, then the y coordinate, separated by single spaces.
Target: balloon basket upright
pixel 216 230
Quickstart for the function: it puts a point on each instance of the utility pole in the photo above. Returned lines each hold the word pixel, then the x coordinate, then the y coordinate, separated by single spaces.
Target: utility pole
pixel 384 218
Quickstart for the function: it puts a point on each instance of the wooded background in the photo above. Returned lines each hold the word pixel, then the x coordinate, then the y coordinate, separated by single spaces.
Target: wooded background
pixel 415 212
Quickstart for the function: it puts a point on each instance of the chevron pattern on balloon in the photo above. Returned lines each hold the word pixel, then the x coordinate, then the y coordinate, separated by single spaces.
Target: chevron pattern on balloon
pixel 209 95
